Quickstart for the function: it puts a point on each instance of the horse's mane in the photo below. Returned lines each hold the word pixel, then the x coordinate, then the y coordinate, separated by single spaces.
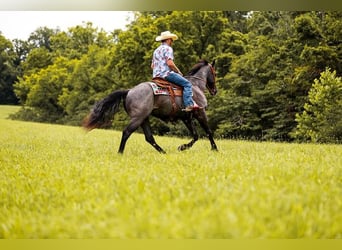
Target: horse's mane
pixel 197 66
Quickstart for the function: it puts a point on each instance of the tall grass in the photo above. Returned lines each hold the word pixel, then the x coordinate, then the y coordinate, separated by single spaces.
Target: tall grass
pixel 59 182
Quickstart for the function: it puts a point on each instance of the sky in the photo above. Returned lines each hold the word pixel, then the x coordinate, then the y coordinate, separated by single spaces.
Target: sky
pixel 20 24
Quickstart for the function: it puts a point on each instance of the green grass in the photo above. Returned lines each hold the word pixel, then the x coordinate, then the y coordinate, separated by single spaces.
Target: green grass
pixel 60 182
pixel 6 110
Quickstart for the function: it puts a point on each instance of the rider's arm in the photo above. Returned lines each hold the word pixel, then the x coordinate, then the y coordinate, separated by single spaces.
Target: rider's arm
pixel 173 66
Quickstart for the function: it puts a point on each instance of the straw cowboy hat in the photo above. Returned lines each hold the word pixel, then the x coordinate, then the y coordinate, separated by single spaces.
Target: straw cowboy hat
pixel 166 35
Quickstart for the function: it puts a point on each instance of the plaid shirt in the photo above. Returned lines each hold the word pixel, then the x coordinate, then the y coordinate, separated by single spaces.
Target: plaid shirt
pixel 160 56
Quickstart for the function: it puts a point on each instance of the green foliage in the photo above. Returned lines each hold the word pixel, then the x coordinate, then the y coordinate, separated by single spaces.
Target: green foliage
pixel 306 28
pixel 270 80
pixel 37 59
pixel 41 91
pixel 60 83
pixel 58 182
pixel 77 40
pixel 321 120
pixel 8 72
pixel 87 83
pixel 320 57
pixel 134 54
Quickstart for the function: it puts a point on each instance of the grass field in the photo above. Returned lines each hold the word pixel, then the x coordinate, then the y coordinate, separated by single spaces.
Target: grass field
pixel 59 182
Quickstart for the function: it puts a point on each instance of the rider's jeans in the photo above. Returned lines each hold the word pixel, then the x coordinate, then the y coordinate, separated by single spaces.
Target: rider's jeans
pixel 187 87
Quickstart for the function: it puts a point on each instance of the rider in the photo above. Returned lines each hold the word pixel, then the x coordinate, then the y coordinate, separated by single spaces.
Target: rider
pixel 164 67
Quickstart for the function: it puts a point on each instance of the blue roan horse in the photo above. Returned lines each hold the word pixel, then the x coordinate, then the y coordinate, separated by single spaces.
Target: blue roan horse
pixel 140 102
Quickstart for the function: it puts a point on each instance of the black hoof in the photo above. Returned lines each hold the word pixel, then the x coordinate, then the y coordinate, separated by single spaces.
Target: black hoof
pixel 182 147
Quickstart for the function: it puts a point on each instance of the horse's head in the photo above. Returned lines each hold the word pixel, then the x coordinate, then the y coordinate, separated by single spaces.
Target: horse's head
pixel 211 79
pixel 204 76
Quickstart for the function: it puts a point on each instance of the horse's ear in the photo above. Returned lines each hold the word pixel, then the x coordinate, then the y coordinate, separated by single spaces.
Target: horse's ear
pixel 213 63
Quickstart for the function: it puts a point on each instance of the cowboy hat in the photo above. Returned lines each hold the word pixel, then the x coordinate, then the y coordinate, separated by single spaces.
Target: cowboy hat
pixel 166 35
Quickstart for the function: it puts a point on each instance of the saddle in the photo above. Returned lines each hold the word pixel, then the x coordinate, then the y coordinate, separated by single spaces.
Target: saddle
pixel 172 88
pixel 167 88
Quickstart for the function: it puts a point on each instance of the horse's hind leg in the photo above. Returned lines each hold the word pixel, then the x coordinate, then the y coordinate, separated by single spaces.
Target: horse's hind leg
pixel 149 136
pixel 126 133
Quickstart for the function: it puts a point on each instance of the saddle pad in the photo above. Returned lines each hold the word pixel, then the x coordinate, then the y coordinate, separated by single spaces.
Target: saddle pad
pixel 157 90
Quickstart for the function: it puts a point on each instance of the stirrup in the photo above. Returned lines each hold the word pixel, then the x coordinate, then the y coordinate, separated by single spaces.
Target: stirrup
pixel 191 108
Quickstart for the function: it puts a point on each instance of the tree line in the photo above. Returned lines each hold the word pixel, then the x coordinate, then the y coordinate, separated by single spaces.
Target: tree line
pixel 278 72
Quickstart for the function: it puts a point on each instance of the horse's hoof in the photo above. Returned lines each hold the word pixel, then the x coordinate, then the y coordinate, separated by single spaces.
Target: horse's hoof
pixel 182 147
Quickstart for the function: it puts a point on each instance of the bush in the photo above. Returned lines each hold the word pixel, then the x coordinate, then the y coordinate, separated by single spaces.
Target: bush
pixel 321 120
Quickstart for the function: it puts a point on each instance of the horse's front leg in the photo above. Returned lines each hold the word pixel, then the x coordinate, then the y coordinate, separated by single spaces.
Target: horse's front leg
pixel 189 123
pixel 203 121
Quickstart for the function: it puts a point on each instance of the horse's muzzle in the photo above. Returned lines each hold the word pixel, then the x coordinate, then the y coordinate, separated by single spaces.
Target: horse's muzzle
pixel 213 91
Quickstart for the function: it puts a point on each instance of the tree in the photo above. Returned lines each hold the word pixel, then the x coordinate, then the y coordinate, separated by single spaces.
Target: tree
pixel 41 38
pixel 75 42
pixel 133 53
pixel 37 59
pixel 89 81
pixel 321 120
pixel 268 83
pixel 42 90
pixel 8 73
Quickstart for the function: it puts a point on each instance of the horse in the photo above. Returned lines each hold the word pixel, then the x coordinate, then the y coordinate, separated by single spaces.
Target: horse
pixel 140 102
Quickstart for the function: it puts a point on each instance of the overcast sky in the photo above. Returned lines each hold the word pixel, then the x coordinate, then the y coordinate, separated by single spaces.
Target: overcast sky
pixel 20 24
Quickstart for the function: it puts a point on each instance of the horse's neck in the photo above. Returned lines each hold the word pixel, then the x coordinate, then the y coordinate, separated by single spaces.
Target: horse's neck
pixel 200 78
pixel 201 73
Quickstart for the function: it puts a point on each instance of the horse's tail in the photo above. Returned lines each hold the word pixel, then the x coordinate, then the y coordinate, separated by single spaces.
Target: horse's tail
pixel 104 110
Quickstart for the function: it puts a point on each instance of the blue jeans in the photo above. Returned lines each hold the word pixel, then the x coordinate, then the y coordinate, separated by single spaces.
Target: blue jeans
pixel 187 87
